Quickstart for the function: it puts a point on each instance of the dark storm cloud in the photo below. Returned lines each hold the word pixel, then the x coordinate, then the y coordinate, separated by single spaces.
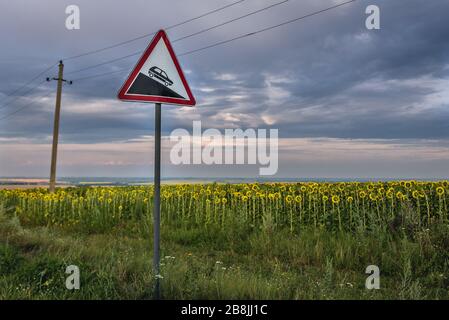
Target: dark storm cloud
pixel 315 78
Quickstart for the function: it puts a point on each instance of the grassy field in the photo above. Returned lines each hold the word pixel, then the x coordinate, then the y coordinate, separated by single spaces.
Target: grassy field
pixel 229 241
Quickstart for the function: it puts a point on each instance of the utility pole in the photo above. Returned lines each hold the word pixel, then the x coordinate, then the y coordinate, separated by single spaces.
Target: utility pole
pixel 54 150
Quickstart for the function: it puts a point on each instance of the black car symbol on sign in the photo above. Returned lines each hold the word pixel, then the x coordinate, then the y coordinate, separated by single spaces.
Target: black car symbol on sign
pixel 160 74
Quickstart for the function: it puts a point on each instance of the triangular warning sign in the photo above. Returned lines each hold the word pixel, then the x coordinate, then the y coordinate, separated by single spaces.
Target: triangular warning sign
pixel 157 77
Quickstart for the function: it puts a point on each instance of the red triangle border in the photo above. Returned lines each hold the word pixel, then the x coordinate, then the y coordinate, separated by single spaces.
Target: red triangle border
pixel 156 99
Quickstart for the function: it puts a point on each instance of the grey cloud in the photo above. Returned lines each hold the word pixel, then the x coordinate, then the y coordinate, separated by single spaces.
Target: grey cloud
pixel 333 67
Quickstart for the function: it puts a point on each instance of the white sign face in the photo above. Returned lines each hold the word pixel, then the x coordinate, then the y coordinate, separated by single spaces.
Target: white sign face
pixel 157 76
pixel 161 68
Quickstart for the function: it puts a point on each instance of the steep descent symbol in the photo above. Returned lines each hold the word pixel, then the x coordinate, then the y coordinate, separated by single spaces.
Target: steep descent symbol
pixel 160 74
pixel 157 76
pixel 147 86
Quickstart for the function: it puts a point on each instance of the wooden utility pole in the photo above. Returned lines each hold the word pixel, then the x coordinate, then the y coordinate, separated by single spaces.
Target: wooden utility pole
pixel 54 150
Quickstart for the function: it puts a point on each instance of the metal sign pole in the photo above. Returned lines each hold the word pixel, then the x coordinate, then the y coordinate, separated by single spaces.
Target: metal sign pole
pixel 157 77
pixel 157 195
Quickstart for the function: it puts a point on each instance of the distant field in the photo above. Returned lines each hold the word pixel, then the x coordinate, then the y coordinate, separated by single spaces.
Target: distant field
pixel 29 183
pixel 229 241
pixel 22 183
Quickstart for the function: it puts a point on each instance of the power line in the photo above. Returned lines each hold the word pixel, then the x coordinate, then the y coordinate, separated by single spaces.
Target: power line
pixel 267 29
pixel 26 84
pixel 23 94
pixel 232 20
pixel 182 38
pixel 212 45
pixel 116 45
pixel 206 47
pixel 105 62
pixel 153 33
pixel 23 108
pixel 101 74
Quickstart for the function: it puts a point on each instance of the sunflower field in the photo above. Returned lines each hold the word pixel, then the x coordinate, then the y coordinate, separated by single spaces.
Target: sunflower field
pixel 340 206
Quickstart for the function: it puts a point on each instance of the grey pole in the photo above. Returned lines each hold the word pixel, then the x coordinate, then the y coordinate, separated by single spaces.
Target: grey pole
pixel 157 194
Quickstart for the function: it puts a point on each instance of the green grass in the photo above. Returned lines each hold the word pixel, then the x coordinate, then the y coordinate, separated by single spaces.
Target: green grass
pixel 211 263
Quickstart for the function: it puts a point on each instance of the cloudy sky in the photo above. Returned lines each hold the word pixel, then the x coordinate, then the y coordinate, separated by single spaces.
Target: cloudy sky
pixel 348 102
